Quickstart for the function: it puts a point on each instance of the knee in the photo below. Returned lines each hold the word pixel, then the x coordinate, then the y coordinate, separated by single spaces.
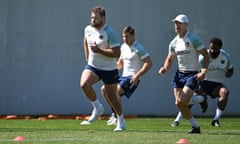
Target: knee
pixel 103 88
pixel 224 93
pixel 84 85
pixel 180 103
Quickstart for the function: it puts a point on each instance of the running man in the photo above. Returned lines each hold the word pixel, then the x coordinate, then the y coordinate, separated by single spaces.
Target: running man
pixel 101 51
pixel 186 47
pixel 220 66
pixel 135 62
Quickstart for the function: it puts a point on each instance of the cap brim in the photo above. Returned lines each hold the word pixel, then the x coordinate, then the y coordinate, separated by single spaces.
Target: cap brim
pixel 174 20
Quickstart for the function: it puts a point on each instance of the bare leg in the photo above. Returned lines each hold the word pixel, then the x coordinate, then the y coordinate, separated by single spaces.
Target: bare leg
pixel 195 99
pixel 89 78
pixel 119 93
pixel 111 97
pixel 182 97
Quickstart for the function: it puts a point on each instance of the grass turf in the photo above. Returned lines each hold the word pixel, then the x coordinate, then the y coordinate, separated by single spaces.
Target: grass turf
pixel 140 131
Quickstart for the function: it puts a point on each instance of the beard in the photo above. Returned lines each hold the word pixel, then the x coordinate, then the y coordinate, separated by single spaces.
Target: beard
pixel 214 54
pixel 96 25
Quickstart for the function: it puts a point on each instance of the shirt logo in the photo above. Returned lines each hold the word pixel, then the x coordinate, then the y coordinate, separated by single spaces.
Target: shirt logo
pixel 183 52
pixel 187 44
pixel 222 61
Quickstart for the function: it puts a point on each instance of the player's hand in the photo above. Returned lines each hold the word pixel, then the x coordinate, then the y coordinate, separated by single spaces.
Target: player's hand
pixel 134 81
pixel 200 76
pixel 95 49
pixel 162 70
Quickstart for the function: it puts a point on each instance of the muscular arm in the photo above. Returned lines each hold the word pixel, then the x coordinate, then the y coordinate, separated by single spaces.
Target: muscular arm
pixel 167 64
pixel 146 67
pixel 119 64
pixel 110 52
pixel 204 53
pixel 85 45
pixel 201 75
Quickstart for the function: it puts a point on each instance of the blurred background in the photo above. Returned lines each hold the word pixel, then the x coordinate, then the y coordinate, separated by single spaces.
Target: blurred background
pixel 42 56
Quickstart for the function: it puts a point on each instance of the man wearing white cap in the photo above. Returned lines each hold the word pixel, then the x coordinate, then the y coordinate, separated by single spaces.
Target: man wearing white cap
pixel 220 66
pixel 186 47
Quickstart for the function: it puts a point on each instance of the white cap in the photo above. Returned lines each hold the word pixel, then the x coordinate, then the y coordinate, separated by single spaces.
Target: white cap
pixel 181 18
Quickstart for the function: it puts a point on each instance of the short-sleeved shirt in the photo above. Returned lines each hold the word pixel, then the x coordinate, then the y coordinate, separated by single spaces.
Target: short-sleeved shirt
pixel 186 51
pixel 217 66
pixel 132 57
pixel 104 38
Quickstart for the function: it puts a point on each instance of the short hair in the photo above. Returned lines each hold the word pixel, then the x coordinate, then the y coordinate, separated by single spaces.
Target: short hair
pixel 216 41
pixel 100 10
pixel 129 29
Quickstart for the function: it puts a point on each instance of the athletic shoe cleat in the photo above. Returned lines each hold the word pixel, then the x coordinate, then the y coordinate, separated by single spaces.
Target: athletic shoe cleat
pixel 85 122
pixel 121 126
pixel 175 124
pixel 195 130
pixel 215 123
pixel 204 104
pixel 94 116
pixel 112 120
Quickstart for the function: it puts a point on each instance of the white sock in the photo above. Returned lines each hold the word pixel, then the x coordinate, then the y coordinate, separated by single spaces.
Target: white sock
pixel 218 114
pixel 179 117
pixel 120 116
pixel 96 104
pixel 196 99
pixel 120 119
pixel 193 122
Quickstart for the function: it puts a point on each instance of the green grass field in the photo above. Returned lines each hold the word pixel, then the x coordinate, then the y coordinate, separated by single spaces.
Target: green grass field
pixel 139 131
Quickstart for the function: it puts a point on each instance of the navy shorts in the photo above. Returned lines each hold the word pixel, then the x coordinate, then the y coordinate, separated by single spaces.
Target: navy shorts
pixel 208 87
pixel 125 84
pixel 188 79
pixel 108 77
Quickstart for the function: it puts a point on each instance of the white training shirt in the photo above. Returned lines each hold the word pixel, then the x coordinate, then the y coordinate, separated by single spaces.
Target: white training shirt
pixel 104 38
pixel 217 66
pixel 132 57
pixel 186 51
